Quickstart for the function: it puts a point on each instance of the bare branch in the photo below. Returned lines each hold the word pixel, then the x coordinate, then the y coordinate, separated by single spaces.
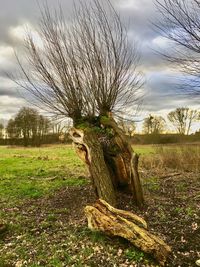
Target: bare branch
pixel 87 68
pixel 181 24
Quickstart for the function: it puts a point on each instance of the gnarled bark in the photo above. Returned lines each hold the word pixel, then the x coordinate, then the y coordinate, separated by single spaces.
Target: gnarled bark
pixel 125 162
pixel 112 163
pixel 103 217
pixel 90 150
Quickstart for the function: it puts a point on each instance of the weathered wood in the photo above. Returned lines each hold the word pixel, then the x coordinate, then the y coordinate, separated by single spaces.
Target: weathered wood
pixel 90 151
pixel 126 162
pixel 103 217
pixel 112 163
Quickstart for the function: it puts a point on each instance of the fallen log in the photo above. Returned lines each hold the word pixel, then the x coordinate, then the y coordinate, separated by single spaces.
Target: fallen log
pixel 103 217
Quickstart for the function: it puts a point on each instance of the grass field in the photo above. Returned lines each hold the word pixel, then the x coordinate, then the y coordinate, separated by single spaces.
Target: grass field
pixel 33 172
pixel 43 192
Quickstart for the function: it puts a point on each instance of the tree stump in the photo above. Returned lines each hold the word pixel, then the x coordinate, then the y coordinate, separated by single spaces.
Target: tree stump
pixel 103 217
pixel 111 161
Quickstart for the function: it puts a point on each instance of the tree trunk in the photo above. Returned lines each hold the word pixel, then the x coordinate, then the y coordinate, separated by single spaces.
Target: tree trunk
pixel 125 161
pixel 103 217
pixel 112 163
pixel 90 151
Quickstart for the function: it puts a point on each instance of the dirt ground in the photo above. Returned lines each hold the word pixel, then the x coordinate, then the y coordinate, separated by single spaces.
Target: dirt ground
pixel 172 211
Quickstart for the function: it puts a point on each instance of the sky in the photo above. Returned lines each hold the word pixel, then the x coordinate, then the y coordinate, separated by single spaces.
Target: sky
pixel 160 89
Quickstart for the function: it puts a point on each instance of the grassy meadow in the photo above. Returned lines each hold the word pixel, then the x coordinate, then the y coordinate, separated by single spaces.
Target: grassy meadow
pixel 43 192
pixel 34 172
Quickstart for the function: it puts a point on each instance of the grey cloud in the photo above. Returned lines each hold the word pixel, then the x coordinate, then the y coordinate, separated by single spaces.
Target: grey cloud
pixel 9 106
pixel 162 93
pixel 139 17
pixel 9 92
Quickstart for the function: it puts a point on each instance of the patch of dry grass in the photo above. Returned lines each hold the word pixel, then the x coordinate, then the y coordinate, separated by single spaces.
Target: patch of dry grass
pixel 182 158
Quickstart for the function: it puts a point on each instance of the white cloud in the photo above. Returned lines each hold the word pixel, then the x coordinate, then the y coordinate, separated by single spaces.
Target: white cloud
pixel 20 33
pixel 128 4
pixel 161 42
pixel 10 101
pixel 6 53
pixel 7 83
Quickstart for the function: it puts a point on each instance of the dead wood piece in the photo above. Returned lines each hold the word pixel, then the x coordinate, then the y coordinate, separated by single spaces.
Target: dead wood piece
pixel 103 217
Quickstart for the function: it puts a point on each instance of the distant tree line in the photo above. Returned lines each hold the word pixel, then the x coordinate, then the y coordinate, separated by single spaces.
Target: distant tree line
pixel 181 119
pixel 28 127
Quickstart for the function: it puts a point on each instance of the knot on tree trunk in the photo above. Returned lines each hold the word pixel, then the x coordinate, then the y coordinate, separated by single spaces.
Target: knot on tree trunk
pixel 103 217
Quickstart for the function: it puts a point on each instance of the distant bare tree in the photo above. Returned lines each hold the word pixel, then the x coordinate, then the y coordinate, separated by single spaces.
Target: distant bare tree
pixel 60 127
pixel 181 24
pixel 182 119
pixel 28 125
pixel 12 129
pixel 153 124
pixel 87 71
pixel 1 130
pixel 129 127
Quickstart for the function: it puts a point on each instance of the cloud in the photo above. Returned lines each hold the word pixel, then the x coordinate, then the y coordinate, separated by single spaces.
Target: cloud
pixel 128 4
pixel 10 106
pixel 162 94
pixel 139 16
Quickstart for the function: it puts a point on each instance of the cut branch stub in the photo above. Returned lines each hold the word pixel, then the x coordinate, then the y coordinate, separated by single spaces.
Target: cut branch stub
pixel 103 217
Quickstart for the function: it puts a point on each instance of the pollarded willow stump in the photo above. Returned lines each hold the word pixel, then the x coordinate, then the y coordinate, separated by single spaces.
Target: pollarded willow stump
pixel 111 161
pixel 90 151
pixel 103 217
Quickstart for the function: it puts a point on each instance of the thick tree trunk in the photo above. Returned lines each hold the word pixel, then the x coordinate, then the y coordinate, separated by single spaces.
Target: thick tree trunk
pixel 89 149
pixel 125 162
pixel 103 217
pixel 112 163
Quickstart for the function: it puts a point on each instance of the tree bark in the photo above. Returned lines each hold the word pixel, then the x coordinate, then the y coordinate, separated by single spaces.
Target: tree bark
pixel 90 151
pixel 125 161
pixel 112 163
pixel 103 217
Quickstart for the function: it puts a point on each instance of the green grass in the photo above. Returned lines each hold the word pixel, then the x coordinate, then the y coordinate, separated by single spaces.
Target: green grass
pixel 33 172
pixel 144 149
pixel 28 173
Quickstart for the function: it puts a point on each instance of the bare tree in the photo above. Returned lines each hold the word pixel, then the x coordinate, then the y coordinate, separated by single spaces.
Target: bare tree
pixel 28 125
pixel 1 130
pixel 181 24
pixel 153 124
pixel 129 127
pixel 194 116
pixel 12 129
pixel 182 119
pixel 87 71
